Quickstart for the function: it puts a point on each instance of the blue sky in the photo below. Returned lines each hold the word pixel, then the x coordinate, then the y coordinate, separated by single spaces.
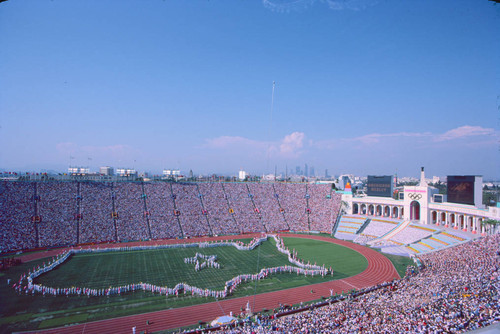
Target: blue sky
pixel 361 86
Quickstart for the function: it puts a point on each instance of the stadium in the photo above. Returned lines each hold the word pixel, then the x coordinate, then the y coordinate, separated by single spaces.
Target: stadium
pixel 249 166
pixel 243 257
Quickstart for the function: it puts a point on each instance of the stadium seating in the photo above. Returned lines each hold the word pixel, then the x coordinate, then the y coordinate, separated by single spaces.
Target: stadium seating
pixel 58 213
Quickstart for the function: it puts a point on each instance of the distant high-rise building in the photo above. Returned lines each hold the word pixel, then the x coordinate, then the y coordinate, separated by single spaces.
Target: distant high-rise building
pixel 326 174
pixel 311 172
pixel 297 171
pixel 306 170
pixel 107 171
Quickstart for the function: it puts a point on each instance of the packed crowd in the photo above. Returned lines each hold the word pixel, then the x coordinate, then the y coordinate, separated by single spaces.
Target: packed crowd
pixel 217 210
pixel 189 202
pixel 268 206
pixel 17 230
pixel 240 201
pixel 456 290
pixel 96 207
pixel 164 225
pixel 46 214
pixel 292 198
pixel 322 212
pixel 57 206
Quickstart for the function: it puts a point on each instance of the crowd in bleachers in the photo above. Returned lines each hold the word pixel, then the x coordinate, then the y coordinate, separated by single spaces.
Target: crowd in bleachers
pixel 164 224
pixel 57 207
pixel 268 206
pixel 321 210
pixel 16 212
pixel 217 209
pixel 188 202
pixel 292 198
pixel 96 206
pixel 67 213
pixel 17 230
pixel 457 290
pixel 240 200
pixel 129 204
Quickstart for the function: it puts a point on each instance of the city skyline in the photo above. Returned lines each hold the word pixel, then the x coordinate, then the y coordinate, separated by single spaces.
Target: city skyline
pixel 358 87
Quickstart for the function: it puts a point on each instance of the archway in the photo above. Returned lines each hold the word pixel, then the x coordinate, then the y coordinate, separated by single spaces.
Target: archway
pixel 395 212
pixel 434 217
pixel 387 211
pixel 379 210
pixel 414 210
pixel 355 208
pixel 363 209
pixel 370 210
pixel 470 224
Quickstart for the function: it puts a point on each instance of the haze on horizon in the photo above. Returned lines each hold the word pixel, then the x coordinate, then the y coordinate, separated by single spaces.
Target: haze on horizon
pixel 361 86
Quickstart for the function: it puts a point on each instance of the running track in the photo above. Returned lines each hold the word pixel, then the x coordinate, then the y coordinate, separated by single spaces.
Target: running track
pixel 379 270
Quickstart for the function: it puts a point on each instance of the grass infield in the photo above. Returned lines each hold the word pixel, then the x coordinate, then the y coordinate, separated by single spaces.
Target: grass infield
pixel 161 267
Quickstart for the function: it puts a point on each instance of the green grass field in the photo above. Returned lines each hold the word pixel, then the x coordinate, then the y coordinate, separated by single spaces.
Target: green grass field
pixel 160 267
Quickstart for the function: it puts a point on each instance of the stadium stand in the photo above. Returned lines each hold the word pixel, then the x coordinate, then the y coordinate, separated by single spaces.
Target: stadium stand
pixel 164 224
pixel 97 223
pixel 322 212
pixel 56 213
pixel 17 225
pixel 57 209
pixel 193 222
pixel 293 200
pixel 349 226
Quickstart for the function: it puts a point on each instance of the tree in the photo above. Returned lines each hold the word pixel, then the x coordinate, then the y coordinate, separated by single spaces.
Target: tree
pixel 491 225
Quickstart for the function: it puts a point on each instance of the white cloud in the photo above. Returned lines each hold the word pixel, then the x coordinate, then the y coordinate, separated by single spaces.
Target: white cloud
pixel 465 131
pixel 350 4
pixel 375 138
pixel 371 139
pixel 289 5
pixel 368 139
pixel 66 148
pixel 291 144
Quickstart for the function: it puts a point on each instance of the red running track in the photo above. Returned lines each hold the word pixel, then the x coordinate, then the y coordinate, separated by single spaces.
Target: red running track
pixel 379 270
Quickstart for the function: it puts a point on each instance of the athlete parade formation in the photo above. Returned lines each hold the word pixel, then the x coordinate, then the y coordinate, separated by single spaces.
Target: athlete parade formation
pixel 26 285
pixel 209 261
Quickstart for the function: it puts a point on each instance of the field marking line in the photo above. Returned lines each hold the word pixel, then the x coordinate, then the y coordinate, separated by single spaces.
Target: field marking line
pixel 342 280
